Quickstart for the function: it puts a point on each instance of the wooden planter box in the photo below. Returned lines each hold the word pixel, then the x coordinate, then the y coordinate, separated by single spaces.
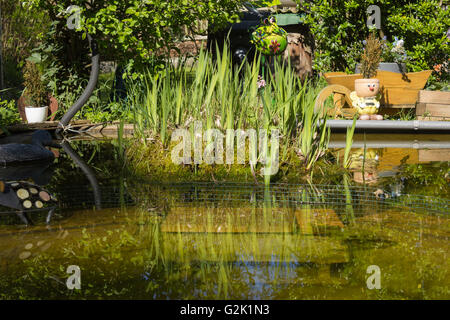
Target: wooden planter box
pixel 433 105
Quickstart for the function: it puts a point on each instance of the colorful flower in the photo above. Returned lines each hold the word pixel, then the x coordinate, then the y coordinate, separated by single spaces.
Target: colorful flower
pixel 261 82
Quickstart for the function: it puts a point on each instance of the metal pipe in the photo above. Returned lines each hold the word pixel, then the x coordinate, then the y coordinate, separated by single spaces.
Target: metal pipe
pixel 415 125
pixel 393 144
pixel 95 69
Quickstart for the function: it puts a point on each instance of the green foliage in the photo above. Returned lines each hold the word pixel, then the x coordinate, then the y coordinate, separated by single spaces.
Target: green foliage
pixel 265 3
pixel 434 83
pixel 349 143
pixel 430 179
pixel 223 98
pixel 134 32
pixel 35 90
pixel 8 113
pixel 63 70
pixel 21 28
pixel 339 27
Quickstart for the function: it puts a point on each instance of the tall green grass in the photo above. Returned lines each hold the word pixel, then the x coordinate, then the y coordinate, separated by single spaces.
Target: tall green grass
pixel 223 96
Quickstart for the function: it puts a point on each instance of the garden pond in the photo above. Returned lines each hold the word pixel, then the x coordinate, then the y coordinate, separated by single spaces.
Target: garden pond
pixel 135 238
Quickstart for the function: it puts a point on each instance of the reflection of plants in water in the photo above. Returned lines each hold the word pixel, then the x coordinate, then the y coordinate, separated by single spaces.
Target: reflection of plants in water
pixel 157 258
pixel 101 156
pixel 350 214
pixel 152 257
pixel 428 179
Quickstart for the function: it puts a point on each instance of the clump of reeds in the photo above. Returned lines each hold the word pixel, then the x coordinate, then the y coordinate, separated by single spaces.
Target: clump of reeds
pixel 223 96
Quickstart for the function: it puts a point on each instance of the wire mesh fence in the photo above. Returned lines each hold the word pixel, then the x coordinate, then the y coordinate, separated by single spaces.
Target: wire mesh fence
pixel 342 199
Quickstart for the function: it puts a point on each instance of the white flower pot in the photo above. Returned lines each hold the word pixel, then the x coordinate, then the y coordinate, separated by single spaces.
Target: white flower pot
pixel 35 115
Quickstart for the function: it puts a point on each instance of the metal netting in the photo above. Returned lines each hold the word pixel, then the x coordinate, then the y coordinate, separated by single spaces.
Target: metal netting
pixel 356 200
pixel 341 198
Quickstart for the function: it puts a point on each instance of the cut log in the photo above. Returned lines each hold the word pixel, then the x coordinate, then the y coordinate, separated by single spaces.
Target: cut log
pixel 27 204
pixel 44 196
pixel 34 191
pixel 23 194
pixel 39 204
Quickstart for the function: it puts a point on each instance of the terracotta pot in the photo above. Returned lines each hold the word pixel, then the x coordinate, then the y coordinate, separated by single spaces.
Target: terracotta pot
pixel 367 87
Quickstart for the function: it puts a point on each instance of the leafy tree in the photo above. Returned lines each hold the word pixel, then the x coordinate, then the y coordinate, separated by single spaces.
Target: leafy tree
pixel 137 31
pixel 339 27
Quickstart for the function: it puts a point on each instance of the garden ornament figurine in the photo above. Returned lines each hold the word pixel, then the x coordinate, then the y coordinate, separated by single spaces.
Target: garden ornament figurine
pixel 12 153
pixel 269 38
pixel 366 100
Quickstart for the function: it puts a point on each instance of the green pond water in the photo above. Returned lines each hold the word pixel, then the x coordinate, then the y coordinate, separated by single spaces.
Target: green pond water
pixel 138 239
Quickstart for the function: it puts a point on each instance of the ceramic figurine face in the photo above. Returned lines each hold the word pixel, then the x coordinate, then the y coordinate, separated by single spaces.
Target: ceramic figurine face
pixel 371 88
pixel 367 87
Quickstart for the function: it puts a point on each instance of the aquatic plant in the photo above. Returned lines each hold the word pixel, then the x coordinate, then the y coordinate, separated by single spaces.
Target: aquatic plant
pixel 222 96
pixel 314 134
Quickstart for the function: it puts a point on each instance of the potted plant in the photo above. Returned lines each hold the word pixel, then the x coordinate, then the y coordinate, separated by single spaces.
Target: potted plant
pixel 35 94
pixel 393 56
pixel 367 89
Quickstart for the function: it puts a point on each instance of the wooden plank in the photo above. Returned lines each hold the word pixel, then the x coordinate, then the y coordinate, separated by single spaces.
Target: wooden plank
pixel 430 118
pixel 413 80
pixel 438 97
pixel 433 109
pixel 434 155
pixel 391 97
pixel 46 125
pixel 420 109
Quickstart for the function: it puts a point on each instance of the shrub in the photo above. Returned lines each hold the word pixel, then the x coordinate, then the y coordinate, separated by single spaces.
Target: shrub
pixel 8 113
pixel 339 27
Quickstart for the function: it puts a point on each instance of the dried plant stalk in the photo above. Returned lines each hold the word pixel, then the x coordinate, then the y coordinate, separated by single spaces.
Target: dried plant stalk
pixel 371 57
